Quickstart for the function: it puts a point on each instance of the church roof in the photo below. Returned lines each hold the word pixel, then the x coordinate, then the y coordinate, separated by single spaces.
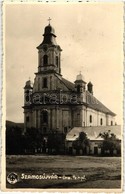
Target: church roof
pixel 92 102
pixel 68 84
pixel 96 104
pixel 93 132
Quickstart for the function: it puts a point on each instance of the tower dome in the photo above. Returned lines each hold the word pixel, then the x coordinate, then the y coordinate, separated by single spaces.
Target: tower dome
pixel 80 83
pixel 49 30
pixel 28 85
pixel 79 77
pixel 49 37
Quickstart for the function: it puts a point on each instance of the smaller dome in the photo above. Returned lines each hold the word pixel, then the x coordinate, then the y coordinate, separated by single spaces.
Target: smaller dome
pixel 90 84
pixel 28 84
pixel 80 77
pixel 49 30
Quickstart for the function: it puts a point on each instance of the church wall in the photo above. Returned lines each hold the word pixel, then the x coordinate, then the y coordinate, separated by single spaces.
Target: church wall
pixel 51 53
pixel 103 117
pixel 77 117
pixel 41 54
pixel 53 83
pixel 96 117
pixel 28 122
pixel 66 121
pixel 34 119
pixel 110 120
pixel 35 85
pixel 84 117
pixel 93 113
pixel 53 119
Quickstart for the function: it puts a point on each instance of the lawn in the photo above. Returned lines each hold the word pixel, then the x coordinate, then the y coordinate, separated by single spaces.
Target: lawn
pixel 99 172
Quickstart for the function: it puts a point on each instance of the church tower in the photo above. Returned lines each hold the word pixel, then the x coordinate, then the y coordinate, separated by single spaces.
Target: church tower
pixel 53 103
pixel 49 57
pixel 40 112
pixel 49 52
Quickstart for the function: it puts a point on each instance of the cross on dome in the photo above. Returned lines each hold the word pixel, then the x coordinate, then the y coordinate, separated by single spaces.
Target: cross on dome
pixel 49 20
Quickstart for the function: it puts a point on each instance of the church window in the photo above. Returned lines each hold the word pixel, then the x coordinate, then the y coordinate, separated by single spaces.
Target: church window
pixel 45 117
pixel 101 121
pixel 111 122
pixel 27 96
pixel 44 82
pixel 27 119
pixel 78 88
pixel 57 61
pixel 90 119
pixel 45 60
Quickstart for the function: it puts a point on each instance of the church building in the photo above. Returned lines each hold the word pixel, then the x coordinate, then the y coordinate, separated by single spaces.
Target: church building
pixel 53 103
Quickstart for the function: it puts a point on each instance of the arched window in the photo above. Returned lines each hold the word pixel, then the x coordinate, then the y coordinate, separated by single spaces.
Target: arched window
pixel 27 118
pixel 78 88
pixel 44 117
pixel 111 122
pixel 45 60
pixel 27 96
pixel 90 118
pixel 57 61
pixel 44 82
pixel 101 121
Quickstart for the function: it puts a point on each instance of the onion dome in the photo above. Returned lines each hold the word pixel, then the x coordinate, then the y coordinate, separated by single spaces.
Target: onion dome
pixel 49 37
pixel 28 85
pixel 49 30
pixel 79 77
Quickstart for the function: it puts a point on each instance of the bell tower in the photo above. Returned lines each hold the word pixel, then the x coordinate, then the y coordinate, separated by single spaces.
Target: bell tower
pixel 49 52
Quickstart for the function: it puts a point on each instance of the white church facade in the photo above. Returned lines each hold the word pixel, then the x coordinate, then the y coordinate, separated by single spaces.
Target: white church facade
pixel 53 103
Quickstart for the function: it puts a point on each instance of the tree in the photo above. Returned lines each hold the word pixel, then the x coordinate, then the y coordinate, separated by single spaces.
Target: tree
pixel 56 141
pixel 14 140
pixel 81 142
pixel 33 139
pixel 110 142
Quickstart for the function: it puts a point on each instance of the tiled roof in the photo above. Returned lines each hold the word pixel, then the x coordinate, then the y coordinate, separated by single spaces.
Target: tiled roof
pixel 68 84
pixel 96 104
pixel 93 132
pixel 92 102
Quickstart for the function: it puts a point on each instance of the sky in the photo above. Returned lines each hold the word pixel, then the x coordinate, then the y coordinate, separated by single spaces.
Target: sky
pixel 91 37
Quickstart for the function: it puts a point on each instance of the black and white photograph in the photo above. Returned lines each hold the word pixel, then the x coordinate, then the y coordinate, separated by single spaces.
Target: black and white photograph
pixel 63 74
